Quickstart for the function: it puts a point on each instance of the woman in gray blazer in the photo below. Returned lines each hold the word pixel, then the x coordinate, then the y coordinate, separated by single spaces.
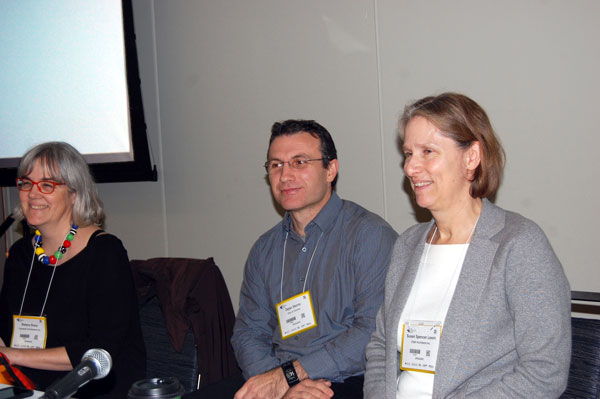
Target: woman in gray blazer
pixel 476 303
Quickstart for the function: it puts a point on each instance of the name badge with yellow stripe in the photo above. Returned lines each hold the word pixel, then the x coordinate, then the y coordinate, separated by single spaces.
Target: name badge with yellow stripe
pixel 296 315
pixel 420 344
pixel 29 332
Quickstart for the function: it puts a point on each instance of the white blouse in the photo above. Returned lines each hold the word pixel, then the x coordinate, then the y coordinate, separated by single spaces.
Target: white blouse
pixel 429 300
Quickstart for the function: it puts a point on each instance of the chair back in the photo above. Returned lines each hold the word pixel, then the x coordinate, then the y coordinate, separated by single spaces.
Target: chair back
pixel 187 320
pixel 162 360
pixel 584 372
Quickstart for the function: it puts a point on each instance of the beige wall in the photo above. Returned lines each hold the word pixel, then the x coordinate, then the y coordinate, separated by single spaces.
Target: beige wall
pixel 217 74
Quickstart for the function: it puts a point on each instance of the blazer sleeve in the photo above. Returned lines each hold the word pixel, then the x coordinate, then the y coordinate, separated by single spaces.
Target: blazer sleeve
pixel 374 385
pixel 538 299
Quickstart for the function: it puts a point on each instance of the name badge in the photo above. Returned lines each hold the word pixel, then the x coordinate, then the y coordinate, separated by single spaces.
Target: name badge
pixel 29 332
pixel 296 315
pixel 420 344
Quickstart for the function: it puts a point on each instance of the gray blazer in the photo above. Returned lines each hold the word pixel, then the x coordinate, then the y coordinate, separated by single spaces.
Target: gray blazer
pixel 507 333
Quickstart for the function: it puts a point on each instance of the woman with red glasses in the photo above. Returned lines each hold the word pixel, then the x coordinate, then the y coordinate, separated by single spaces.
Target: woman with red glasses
pixel 68 288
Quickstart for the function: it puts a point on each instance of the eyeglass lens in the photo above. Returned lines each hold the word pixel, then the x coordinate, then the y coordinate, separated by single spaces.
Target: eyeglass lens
pixel 295 163
pixel 45 186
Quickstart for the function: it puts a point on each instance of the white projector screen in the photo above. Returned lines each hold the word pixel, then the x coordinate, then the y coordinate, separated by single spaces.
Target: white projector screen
pixel 67 75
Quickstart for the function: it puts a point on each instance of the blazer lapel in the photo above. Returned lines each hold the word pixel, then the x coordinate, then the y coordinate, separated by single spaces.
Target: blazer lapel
pixel 403 283
pixel 461 316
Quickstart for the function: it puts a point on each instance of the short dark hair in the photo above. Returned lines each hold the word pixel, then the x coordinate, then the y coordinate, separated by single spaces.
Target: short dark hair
pixel 66 165
pixel 294 126
pixel 464 121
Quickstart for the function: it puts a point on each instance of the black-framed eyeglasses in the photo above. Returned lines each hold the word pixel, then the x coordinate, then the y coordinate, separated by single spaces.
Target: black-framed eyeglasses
pixel 276 165
pixel 44 186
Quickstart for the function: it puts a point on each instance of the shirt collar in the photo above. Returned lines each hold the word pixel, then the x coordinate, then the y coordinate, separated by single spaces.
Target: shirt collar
pixel 324 219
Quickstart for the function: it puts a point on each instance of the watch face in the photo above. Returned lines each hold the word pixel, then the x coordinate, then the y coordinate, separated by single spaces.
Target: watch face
pixel 289 374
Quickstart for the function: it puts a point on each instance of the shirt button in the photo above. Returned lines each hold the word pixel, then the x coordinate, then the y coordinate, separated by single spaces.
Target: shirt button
pixel 303 249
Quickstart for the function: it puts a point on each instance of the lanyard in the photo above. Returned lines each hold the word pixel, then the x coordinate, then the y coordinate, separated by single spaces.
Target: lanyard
pixel 27 285
pixel 283 264
pixel 456 268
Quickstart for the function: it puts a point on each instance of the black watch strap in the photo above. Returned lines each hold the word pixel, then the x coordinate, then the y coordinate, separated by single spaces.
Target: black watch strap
pixel 290 373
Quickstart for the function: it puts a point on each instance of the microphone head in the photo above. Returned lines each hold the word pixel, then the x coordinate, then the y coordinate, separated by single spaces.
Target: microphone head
pixel 101 359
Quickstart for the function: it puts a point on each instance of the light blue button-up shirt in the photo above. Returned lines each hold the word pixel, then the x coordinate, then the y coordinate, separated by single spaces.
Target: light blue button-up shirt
pixel 345 280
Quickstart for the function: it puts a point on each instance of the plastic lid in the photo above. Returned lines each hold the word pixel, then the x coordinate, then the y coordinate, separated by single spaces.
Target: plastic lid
pixel 168 387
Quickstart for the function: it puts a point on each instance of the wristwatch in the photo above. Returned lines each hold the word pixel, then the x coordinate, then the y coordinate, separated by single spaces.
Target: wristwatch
pixel 290 373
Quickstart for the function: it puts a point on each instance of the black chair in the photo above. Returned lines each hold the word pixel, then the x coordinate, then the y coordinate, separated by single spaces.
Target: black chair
pixel 187 320
pixel 162 360
pixel 584 373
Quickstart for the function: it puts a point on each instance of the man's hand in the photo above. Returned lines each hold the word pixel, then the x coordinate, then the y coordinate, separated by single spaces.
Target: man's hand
pixel 309 389
pixel 269 385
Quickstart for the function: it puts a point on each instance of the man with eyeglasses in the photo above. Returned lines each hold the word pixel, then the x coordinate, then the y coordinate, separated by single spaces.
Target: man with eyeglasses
pixel 314 282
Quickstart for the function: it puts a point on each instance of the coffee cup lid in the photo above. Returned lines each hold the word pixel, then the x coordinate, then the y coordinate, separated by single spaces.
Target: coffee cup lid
pixel 168 387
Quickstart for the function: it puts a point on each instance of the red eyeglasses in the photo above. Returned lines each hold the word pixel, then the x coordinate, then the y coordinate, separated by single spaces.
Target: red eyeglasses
pixel 44 186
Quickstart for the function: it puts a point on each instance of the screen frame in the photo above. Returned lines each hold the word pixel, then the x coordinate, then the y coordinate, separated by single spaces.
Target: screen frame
pixel 141 167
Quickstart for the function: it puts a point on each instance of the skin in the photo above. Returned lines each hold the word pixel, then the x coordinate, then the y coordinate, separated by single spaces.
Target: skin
pixel 440 175
pixel 313 389
pixel 48 212
pixel 303 193
pixel 51 214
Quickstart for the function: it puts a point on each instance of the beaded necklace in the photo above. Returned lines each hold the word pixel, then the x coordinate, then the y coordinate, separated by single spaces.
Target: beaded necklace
pixel 52 259
pixel 47 260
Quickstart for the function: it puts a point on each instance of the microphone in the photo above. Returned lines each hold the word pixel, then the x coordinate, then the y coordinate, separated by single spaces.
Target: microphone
pixel 95 364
